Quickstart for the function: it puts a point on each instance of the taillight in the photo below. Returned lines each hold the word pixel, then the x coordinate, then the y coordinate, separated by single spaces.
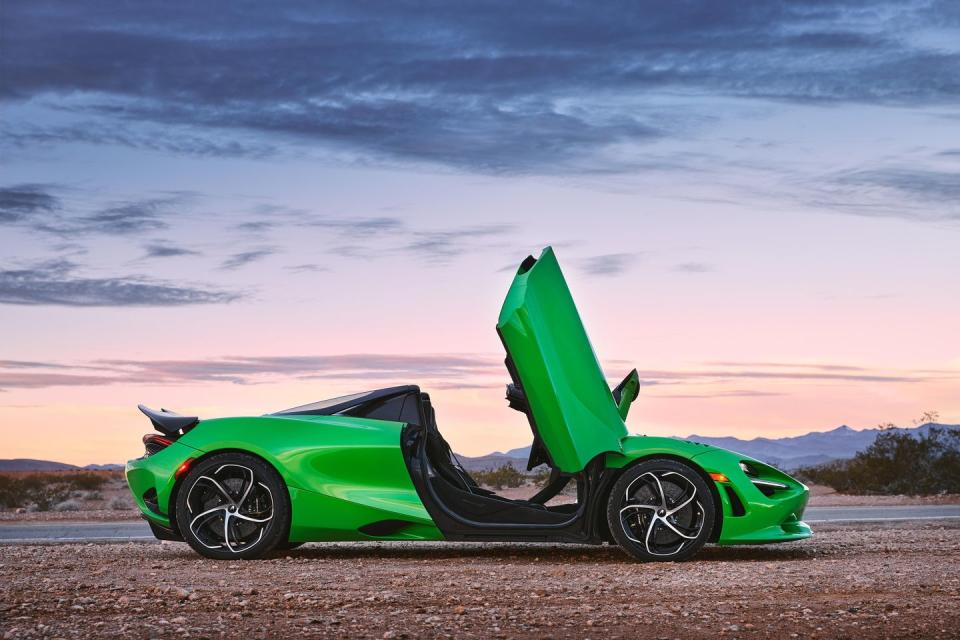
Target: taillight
pixel 154 443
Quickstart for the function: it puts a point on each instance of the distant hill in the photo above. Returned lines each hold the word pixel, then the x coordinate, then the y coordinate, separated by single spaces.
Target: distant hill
pixel 786 453
pixel 810 448
pixel 28 464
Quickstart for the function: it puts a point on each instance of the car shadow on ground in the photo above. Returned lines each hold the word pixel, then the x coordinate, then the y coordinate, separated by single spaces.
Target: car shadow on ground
pixel 528 553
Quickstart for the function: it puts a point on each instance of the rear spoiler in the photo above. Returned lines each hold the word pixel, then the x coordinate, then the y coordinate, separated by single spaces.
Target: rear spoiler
pixel 168 422
pixel 626 392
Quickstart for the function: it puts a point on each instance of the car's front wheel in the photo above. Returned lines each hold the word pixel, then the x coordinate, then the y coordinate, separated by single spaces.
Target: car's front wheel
pixel 661 509
pixel 233 505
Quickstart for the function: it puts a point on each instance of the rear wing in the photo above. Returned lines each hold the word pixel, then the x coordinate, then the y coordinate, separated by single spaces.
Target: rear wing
pixel 168 422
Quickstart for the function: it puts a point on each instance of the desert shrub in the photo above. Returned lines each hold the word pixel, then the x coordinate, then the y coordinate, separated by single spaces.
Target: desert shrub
pixel 540 475
pixel 896 463
pixel 45 489
pixel 505 476
pixel 119 503
pixel 69 505
pixel 92 495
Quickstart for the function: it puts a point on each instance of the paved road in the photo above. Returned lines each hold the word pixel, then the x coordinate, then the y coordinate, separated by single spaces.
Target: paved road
pixel 138 531
pixel 881 514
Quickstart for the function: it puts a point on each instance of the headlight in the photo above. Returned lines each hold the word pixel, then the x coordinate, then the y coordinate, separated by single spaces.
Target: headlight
pixel 767 487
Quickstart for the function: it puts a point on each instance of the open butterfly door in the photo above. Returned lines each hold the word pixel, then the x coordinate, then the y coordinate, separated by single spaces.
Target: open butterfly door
pixel 557 378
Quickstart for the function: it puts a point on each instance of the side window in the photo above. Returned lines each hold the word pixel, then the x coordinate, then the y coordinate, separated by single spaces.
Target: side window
pixel 400 408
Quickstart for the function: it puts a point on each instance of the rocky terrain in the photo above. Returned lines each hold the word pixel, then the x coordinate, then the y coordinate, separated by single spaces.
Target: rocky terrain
pixel 866 582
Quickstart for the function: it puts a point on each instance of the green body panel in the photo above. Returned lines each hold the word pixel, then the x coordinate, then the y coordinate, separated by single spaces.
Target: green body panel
pixel 767 519
pixel 572 406
pixel 342 473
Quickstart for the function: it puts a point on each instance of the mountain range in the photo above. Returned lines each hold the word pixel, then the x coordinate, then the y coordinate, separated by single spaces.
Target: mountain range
pixel 786 453
pixel 28 464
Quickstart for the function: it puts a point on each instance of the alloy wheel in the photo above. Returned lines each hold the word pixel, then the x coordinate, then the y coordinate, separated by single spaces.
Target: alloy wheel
pixel 662 512
pixel 229 508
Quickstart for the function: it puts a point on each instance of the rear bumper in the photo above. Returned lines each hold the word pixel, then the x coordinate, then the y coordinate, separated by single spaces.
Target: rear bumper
pixel 152 481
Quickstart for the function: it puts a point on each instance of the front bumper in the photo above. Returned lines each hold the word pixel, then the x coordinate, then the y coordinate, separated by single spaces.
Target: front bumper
pixel 750 516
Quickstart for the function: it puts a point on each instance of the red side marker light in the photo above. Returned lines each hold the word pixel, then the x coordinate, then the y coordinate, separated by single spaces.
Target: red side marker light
pixel 183 468
pixel 719 477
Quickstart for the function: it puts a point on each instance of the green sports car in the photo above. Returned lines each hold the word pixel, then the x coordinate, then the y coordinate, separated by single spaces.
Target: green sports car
pixel 373 466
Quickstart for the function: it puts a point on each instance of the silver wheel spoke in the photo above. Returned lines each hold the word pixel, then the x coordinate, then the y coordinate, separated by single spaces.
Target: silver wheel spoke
pixel 246 492
pixel 646 539
pixel 663 496
pixel 685 503
pixel 203 518
pixel 217 485
pixel 677 531
pixel 226 532
pixel 240 516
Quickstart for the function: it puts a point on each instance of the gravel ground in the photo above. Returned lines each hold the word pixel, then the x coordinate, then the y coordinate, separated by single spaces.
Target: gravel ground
pixel 848 581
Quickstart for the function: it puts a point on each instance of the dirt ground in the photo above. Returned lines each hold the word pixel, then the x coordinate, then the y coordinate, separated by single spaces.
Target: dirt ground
pixel 895 581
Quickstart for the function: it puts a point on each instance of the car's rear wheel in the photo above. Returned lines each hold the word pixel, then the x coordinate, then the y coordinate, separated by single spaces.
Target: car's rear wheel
pixel 660 509
pixel 233 505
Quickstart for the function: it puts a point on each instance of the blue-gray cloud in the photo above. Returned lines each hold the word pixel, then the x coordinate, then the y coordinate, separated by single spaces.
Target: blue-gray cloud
pixel 910 193
pixel 54 283
pixel 609 264
pixel 40 208
pixel 483 86
pixel 25 202
pixel 167 250
pixel 153 139
pixel 244 258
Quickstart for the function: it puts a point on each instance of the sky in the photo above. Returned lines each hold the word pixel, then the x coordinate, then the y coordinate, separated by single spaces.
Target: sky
pixel 233 208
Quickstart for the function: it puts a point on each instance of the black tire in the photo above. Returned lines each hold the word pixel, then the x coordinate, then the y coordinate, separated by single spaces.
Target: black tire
pixel 660 510
pixel 233 506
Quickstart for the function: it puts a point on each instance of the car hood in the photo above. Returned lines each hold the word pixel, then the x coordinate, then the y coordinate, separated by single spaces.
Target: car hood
pixel 571 408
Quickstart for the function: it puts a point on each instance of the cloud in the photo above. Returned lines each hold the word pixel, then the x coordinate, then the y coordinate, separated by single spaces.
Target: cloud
pixel 609 264
pixel 306 268
pixel 38 207
pixel 360 225
pixel 152 139
pixel 125 218
pixel 914 183
pixel 166 250
pixel 786 365
pixel 909 193
pixel 21 203
pixel 479 86
pixel 693 267
pixel 438 370
pixel 441 246
pixel 120 218
pixel 448 370
pixel 731 393
pixel 53 283
pixel 244 258
pixel 720 374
